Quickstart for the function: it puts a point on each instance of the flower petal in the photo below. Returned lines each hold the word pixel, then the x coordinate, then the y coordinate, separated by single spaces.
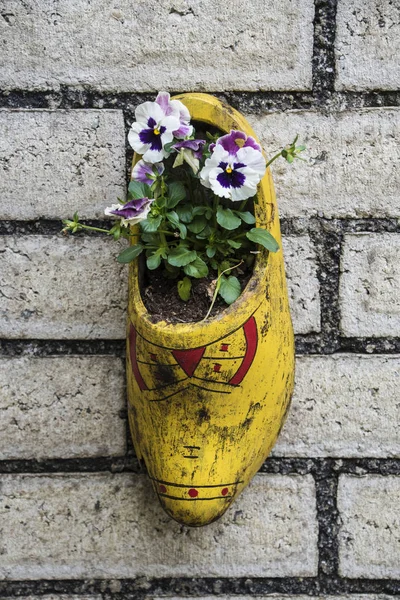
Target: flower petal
pixel 134 139
pixel 149 110
pixel 144 172
pixel 252 158
pixel 163 100
pixel 235 140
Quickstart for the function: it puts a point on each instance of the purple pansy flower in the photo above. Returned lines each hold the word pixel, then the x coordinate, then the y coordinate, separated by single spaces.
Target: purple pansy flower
pixel 233 176
pixel 132 212
pixel 233 141
pixel 152 131
pixel 144 172
pixel 171 107
pixel 195 145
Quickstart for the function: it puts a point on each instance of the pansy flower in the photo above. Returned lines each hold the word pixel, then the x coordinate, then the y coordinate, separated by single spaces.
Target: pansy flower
pixel 152 131
pixel 157 123
pixel 147 172
pixel 233 176
pixel 190 151
pixel 233 141
pixel 132 212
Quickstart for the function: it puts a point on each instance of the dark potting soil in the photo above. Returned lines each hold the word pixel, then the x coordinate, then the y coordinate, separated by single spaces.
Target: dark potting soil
pixel 162 301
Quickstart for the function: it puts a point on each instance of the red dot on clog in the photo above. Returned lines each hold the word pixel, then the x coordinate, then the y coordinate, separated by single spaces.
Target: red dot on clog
pixel 193 493
pixel 224 491
pixel 162 489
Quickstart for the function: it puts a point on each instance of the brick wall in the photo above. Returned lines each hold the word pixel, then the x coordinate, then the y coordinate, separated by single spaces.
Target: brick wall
pixel 78 520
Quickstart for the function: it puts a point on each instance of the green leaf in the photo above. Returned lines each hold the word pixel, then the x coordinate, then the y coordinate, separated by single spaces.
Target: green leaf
pixel 205 234
pixel 196 269
pixel 184 287
pixel 176 193
pixel 214 264
pixel 181 256
pixel 247 217
pixel 137 189
pixel 115 231
pixel 168 147
pixel 264 238
pixel 234 244
pixel 197 225
pixel 185 212
pixel 210 251
pixel 199 210
pixel 150 238
pixel 154 261
pixel 229 289
pixel 130 253
pixel 172 217
pixel 227 219
pixel 151 224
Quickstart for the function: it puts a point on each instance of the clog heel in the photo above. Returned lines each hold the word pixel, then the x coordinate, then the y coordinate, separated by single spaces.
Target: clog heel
pixel 207 399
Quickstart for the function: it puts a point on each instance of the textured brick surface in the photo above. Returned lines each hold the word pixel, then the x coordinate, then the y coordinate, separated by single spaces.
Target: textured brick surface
pixel 99 525
pixel 368 45
pixel 344 406
pixel 53 163
pixel 59 288
pixel 61 407
pixel 58 597
pixel 370 285
pixel 352 168
pixel 65 288
pixel 303 285
pixel 370 532
pixel 45 48
pixel 284 597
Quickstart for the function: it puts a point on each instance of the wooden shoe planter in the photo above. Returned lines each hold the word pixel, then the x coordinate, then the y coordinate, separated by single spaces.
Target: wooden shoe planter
pixel 207 399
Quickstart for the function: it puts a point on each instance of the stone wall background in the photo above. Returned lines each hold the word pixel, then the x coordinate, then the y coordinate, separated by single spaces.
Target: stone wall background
pixel 78 520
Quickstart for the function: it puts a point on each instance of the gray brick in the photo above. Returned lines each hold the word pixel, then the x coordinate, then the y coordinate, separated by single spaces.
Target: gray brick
pixel 57 597
pixel 369 540
pixel 103 525
pixel 370 285
pixel 367 45
pixel 53 163
pixel 281 597
pixel 61 288
pixel 303 285
pixel 61 407
pixel 344 406
pixel 352 168
pixel 46 49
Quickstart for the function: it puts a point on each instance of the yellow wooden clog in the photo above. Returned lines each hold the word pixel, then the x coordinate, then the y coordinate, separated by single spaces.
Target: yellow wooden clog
pixel 207 400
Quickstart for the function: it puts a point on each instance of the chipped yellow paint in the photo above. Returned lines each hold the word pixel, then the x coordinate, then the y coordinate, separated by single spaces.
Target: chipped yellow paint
pixel 207 399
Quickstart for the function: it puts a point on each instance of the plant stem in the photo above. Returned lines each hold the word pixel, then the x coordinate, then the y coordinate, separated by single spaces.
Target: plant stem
pixel 81 226
pixel 273 158
pixel 242 204
pixel 217 286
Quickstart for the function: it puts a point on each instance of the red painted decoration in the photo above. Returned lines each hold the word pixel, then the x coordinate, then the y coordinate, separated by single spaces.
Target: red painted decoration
pixel 217 367
pixel 224 491
pixel 224 347
pixel 153 356
pixel 250 332
pixel 162 489
pixel 193 493
pixel 188 359
pixel 132 351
